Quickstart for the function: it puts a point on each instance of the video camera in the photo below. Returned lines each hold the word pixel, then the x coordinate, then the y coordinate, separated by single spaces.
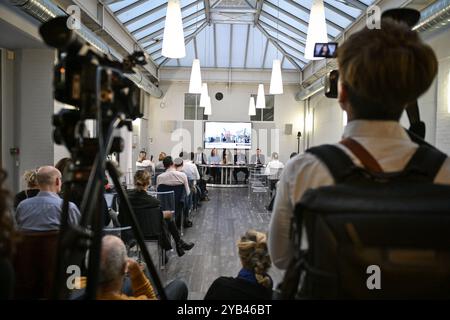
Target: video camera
pixel 88 80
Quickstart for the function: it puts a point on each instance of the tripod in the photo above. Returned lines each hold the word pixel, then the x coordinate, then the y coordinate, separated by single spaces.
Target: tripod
pixel 76 240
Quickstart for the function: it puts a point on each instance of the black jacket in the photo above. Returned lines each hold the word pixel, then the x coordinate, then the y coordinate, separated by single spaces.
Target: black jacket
pixel 228 288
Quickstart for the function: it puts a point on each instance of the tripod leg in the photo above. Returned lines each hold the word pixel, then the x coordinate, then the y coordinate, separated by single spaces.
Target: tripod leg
pixel 136 230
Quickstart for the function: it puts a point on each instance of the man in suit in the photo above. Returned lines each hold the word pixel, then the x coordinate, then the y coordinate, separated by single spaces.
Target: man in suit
pixel 258 158
pixel 239 159
pixel 200 156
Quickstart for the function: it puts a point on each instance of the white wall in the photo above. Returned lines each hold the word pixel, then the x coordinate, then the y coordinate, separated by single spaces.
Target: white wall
pixel 34 108
pixel 234 107
pixel 433 104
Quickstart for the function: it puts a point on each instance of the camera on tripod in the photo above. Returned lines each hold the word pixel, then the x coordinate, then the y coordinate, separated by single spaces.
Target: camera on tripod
pixel 91 82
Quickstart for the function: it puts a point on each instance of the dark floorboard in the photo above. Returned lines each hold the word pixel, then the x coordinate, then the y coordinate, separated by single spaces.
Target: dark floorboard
pixel 218 224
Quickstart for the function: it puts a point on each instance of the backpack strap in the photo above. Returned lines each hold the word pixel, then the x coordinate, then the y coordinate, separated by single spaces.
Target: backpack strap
pixel 336 160
pixel 427 161
pixel 367 160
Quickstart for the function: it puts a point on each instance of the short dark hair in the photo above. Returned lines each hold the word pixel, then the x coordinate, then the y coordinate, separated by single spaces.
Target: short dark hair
pixel 293 154
pixel 385 69
pixel 168 162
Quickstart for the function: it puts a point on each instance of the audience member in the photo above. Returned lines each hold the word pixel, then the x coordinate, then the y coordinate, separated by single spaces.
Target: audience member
pixel 160 164
pixel 252 282
pixel 189 168
pixel 8 239
pixel 274 166
pixel 43 212
pixel 172 177
pixel 32 188
pixel 143 163
pixel 140 199
pixel 115 264
pixel 398 68
pixel 293 154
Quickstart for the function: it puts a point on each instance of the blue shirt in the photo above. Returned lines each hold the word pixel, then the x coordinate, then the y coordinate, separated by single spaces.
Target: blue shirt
pixel 43 212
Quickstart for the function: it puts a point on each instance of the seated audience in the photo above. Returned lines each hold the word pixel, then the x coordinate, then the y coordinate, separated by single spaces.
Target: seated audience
pixel 252 281
pixel 32 187
pixel 274 166
pixel 172 177
pixel 380 72
pixel 8 239
pixel 140 199
pixel 115 264
pixel 43 212
pixel 160 164
pixel 143 163
pixel 189 168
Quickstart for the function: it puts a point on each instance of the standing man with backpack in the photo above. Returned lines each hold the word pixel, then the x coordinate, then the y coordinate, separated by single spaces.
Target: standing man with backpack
pixel 380 72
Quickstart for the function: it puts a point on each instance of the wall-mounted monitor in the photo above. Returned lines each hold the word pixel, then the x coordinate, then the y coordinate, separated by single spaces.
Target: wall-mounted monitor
pixel 228 135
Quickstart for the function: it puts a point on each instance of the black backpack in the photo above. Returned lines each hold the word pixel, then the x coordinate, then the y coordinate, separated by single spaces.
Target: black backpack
pixel 372 235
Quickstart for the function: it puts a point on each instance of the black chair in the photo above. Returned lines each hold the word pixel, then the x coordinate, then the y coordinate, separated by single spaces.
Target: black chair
pixel 150 220
pixel 180 199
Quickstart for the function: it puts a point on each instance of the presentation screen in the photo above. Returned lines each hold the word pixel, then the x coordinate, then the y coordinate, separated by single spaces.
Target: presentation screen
pixel 228 135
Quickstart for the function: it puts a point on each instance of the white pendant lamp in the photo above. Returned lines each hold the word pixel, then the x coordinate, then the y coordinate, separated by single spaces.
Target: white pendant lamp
pixel 261 98
pixel 195 84
pixel 208 110
pixel 173 39
pixel 204 96
pixel 252 107
pixel 276 81
pixel 317 29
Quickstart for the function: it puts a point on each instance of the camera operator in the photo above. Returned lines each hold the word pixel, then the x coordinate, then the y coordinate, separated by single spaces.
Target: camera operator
pixel 380 72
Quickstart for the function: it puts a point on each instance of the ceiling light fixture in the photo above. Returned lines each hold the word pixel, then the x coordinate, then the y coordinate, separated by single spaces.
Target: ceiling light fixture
pixel 195 83
pixel 204 95
pixel 317 28
pixel 173 39
pixel 276 81
pixel 208 110
pixel 261 98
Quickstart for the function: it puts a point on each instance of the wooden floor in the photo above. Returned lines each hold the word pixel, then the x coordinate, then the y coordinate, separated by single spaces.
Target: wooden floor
pixel 217 226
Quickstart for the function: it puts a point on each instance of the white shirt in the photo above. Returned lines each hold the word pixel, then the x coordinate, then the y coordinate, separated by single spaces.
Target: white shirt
pixel 145 164
pixel 386 141
pixel 173 177
pixel 273 166
pixel 191 170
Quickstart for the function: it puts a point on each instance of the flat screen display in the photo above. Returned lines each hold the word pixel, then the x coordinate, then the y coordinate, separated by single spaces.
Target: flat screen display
pixel 228 135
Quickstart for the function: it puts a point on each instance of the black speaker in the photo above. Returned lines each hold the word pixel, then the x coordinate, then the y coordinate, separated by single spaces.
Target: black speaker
pixel 219 96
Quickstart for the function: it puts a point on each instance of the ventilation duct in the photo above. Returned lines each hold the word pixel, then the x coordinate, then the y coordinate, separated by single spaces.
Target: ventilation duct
pixel 435 16
pixel 44 10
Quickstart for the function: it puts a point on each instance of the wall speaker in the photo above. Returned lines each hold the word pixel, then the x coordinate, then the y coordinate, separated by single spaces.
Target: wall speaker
pixel 288 128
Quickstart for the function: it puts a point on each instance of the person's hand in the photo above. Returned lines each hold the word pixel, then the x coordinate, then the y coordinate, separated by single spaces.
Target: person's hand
pixel 134 265
pixel 167 214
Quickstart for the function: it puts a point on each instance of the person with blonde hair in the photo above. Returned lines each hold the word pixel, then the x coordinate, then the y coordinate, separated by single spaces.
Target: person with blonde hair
pixel 30 178
pixel 253 282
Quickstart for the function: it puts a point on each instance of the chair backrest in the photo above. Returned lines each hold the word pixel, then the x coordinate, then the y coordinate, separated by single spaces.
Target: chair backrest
pixel 166 199
pixel 179 191
pixel 34 264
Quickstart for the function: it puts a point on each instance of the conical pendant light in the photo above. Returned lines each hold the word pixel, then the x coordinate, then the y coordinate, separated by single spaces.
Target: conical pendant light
pixel 195 84
pixel 251 107
pixel 261 98
pixel 317 29
pixel 204 96
pixel 276 81
pixel 173 39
